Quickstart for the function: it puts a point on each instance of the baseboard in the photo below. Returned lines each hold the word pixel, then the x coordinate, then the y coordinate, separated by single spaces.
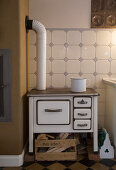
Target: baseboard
pixel 12 160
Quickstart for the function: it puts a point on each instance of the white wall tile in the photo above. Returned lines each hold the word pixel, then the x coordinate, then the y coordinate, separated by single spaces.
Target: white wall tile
pixel 48 81
pixel 88 52
pixel 68 79
pixel 113 52
pixel 88 37
pixel 48 52
pixel 87 66
pixel 103 66
pixel 103 52
pixel 58 80
pixel 32 37
pixel 101 98
pixel 58 37
pixel 99 80
pixel 103 37
pixel 114 37
pixel 58 66
pixel 32 51
pixel 73 37
pixel 32 66
pixel 113 66
pixel 73 66
pixel 90 82
pixel 58 52
pixel 48 66
pixel 73 52
pixel 49 37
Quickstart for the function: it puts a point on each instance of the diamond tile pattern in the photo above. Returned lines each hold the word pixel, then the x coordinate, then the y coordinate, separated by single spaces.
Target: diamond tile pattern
pixel 51 44
pixel 82 163
pixel 110 59
pixel 65 59
pixel 88 53
pixel 66 45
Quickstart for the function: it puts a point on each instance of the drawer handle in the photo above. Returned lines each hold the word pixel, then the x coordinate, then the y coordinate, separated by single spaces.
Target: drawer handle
pixel 53 110
pixel 82 114
pixel 82 125
pixel 82 102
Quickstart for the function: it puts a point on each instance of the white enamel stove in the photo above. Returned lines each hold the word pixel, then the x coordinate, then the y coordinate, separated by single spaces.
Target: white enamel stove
pixel 60 110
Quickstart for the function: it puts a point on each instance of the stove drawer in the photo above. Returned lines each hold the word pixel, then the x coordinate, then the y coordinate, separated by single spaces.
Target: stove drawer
pixel 82 113
pixel 82 102
pixel 53 112
pixel 82 124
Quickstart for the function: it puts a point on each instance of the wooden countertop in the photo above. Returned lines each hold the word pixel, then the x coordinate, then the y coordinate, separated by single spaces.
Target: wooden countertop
pixel 61 92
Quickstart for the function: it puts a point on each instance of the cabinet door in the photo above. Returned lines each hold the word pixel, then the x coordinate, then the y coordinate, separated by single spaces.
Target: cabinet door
pixel 5 85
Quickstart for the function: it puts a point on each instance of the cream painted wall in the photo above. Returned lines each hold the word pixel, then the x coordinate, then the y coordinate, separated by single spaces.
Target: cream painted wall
pixel 61 13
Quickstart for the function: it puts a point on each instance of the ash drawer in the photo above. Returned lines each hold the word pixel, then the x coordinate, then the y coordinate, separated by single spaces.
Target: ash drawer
pixel 82 113
pixel 82 102
pixel 53 112
pixel 82 124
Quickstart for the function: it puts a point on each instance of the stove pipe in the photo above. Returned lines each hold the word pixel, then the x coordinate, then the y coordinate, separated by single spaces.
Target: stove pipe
pixel 40 51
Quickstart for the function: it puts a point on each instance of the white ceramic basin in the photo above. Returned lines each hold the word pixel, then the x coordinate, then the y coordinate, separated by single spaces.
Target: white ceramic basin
pixel 110 82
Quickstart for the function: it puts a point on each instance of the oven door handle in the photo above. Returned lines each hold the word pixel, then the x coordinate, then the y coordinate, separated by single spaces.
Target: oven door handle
pixel 53 110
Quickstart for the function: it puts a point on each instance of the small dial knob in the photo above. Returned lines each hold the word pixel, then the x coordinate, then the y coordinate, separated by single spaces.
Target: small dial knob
pixel 110 20
pixel 97 20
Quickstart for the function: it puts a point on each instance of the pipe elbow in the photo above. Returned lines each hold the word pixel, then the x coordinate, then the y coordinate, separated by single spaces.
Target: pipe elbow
pixel 38 27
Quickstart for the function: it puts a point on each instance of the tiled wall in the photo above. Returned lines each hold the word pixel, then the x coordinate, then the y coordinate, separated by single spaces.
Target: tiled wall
pixel 88 53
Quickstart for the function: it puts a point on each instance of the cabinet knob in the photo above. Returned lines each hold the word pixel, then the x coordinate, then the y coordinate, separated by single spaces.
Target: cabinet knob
pixel 3 86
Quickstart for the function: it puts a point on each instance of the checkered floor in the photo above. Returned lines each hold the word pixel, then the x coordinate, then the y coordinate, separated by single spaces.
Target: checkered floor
pixel 83 163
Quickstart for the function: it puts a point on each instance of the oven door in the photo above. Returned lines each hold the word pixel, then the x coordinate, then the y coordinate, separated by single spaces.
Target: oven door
pixel 53 112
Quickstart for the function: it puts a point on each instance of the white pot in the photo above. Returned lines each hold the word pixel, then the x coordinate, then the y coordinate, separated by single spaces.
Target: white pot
pixel 78 84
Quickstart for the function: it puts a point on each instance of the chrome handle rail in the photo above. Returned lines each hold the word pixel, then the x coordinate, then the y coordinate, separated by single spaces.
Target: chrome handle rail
pixel 82 114
pixel 82 125
pixel 53 110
